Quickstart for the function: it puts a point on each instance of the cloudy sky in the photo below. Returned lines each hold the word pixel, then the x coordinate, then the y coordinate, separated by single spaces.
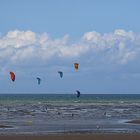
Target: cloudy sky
pixel 38 38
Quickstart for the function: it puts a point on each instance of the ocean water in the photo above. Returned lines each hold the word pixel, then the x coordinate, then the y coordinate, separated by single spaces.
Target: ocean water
pixel 65 113
pixel 69 98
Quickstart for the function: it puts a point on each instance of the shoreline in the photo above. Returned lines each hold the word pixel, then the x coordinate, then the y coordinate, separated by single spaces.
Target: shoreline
pixel 73 137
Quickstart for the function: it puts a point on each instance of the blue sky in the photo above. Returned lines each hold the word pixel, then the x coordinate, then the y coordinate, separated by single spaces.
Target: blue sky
pixel 41 37
pixel 69 16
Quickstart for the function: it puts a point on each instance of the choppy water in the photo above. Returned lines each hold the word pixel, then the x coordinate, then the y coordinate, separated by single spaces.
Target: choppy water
pixel 54 113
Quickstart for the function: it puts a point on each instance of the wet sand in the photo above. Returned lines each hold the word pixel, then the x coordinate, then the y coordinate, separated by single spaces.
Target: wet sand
pixel 134 121
pixel 5 126
pixel 75 137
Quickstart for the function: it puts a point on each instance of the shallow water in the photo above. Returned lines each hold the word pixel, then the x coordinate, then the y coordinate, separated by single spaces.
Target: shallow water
pixel 44 114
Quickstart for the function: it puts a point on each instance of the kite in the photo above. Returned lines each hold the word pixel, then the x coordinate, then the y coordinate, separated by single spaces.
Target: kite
pixel 39 80
pixel 78 93
pixel 76 66
pixel 61 73
pixel 12 75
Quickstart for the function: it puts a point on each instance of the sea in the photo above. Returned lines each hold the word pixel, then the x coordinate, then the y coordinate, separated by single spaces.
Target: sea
pixel 41 114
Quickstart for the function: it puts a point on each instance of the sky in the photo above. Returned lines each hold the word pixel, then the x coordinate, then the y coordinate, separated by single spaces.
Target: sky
pixel 38 38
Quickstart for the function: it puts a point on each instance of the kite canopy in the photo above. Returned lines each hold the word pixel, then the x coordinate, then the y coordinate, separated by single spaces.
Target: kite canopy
pixel 39 80
pixel 61 73
pixel 78 93
pixel 76 66
pixel 12 75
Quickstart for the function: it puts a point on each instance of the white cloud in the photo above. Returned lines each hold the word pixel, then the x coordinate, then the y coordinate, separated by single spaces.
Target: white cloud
pixel 92 36
pixel 120 46
pixel 19 47
pixel 18 39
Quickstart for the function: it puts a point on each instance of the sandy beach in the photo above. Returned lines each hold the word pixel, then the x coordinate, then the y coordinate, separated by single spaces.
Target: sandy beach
pixel 75 137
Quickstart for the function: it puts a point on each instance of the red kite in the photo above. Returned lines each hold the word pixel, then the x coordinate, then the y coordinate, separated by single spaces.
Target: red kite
pixel 12 76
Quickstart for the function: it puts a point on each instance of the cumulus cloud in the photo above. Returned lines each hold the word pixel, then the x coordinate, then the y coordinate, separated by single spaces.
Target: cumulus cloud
pixel 20 47
pixel 119 47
